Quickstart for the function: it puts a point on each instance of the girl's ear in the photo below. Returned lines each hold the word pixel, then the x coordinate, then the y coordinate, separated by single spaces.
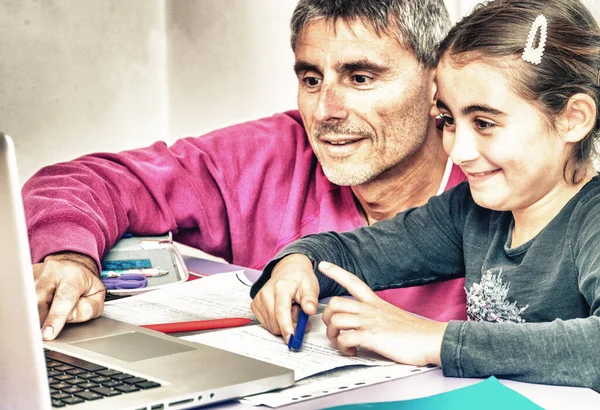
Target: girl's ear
pixel 578 118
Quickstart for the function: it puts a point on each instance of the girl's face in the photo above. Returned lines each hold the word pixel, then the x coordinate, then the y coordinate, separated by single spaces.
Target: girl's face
pixel 512 161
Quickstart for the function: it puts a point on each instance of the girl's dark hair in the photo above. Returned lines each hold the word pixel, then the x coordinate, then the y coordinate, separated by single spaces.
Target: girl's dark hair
pixel 497 32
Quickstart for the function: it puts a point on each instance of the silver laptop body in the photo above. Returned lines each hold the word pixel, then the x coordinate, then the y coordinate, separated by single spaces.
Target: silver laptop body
pixel 190 374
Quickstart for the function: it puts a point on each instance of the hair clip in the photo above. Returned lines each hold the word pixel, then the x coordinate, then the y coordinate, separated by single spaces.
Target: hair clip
pixel 531 54
pixel 598 78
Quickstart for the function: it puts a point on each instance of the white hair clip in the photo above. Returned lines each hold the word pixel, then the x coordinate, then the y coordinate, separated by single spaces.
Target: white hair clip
pixel 532 54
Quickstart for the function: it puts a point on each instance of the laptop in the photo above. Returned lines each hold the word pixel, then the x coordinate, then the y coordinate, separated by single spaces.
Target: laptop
pixel 102 363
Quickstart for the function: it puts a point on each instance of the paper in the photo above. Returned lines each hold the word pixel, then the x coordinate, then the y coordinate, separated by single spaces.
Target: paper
pixel 317 354
pixel 489 394
pixel 317 359
pixel 214 297
pixel 334 381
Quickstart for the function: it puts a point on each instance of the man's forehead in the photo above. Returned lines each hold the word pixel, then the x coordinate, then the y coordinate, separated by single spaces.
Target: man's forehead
pixel 345 39
pixel 343 30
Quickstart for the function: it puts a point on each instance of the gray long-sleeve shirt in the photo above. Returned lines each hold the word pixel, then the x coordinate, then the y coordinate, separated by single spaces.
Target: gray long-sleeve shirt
pixel 534 309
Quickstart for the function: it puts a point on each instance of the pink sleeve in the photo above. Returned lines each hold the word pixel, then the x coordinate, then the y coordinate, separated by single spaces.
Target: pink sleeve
pixel 85 205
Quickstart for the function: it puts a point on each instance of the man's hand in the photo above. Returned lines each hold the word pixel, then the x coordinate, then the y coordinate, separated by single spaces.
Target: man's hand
pixel 68 290
pixel 292 280
pixel 373 324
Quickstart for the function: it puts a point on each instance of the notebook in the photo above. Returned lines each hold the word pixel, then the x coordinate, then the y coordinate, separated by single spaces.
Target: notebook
pixel 102 363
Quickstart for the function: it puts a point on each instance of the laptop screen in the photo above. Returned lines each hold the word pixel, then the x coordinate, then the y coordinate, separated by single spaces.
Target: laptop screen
pixel 23 380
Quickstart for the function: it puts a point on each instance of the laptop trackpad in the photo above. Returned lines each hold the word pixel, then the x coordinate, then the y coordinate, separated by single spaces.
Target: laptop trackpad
pixel 132 346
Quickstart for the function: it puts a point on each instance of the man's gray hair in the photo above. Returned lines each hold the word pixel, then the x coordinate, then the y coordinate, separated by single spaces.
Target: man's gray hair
pixel 419 25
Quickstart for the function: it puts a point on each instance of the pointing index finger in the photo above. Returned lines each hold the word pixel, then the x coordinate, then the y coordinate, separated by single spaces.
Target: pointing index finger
pixel 350 282
pixel 63 303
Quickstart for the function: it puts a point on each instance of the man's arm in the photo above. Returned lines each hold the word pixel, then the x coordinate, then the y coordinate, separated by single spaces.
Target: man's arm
pixel 201 189
pixel 86 205
pixel 76 211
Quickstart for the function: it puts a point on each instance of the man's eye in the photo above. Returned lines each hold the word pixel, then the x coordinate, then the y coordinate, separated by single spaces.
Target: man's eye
pixel 312 81
pixel 483 125
pixel 361 79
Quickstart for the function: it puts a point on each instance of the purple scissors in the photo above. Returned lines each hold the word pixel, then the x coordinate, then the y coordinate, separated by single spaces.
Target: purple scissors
pixel 126 281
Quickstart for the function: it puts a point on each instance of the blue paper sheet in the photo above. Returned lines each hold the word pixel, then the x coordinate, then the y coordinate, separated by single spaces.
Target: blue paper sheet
pixel 489 394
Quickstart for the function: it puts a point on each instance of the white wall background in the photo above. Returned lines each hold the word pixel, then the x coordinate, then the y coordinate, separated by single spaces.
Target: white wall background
pixel 80 76
pixel 229 61
pixel 85 76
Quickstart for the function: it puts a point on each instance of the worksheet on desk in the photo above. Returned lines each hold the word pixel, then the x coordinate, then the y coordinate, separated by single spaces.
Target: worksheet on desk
pixel 317 356
pixel 213 297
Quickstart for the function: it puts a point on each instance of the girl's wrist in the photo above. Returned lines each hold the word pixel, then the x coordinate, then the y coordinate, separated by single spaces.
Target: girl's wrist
pixel 436 337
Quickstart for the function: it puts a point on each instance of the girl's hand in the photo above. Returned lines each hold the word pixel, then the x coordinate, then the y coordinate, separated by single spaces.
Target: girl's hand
pixel 292 280
pixel 373 324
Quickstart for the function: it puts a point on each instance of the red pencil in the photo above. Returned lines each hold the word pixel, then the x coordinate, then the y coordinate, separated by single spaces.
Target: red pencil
pixel 198 325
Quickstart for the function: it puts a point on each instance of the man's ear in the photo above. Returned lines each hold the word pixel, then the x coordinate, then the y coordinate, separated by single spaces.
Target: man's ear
pixel 578 118
pixel 433 110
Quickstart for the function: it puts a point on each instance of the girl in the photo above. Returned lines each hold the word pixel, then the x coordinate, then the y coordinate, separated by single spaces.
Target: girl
pixel 519 91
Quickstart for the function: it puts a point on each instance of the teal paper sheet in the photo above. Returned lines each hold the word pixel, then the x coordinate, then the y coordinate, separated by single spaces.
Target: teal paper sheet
pixel 489 394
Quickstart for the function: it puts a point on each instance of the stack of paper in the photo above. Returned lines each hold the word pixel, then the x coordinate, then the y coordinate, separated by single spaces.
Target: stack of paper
pixel 214 297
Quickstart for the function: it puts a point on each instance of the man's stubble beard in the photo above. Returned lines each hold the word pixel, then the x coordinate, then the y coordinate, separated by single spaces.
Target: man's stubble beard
pixel 344 173
pixel 349 175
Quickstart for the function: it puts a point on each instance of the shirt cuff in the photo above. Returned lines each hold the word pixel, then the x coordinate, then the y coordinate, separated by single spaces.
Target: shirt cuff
pixel 452 344
pixel 63 237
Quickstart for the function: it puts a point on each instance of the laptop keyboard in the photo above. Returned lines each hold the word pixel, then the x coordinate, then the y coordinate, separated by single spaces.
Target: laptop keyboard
pixel 73 380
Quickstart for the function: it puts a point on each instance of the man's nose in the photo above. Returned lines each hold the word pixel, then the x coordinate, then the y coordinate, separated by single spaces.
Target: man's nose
pixel 331 105
pixel 464 147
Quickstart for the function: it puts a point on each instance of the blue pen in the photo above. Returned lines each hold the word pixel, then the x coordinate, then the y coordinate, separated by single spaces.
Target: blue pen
pixel 295 342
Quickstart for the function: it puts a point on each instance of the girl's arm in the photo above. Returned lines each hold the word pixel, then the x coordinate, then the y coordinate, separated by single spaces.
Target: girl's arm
pixel 563 352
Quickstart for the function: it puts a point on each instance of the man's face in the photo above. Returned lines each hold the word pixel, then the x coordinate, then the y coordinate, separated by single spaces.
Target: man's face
pixel 364 100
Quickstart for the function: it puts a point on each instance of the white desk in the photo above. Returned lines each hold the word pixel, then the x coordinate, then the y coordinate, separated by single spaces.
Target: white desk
pixel 420 385
pixel 433 382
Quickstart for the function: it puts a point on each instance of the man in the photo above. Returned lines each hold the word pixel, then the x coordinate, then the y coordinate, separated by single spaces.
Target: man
pixel 366 88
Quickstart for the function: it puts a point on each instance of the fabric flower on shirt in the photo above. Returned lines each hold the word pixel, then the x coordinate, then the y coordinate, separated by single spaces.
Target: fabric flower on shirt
pixel 487 301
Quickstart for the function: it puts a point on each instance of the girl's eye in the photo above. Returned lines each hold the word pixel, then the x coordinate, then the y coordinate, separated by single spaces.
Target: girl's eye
pixel 448 121
pixel 484 125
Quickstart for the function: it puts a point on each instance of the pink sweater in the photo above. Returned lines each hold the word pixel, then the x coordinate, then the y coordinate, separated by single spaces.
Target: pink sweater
pixel 240 193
